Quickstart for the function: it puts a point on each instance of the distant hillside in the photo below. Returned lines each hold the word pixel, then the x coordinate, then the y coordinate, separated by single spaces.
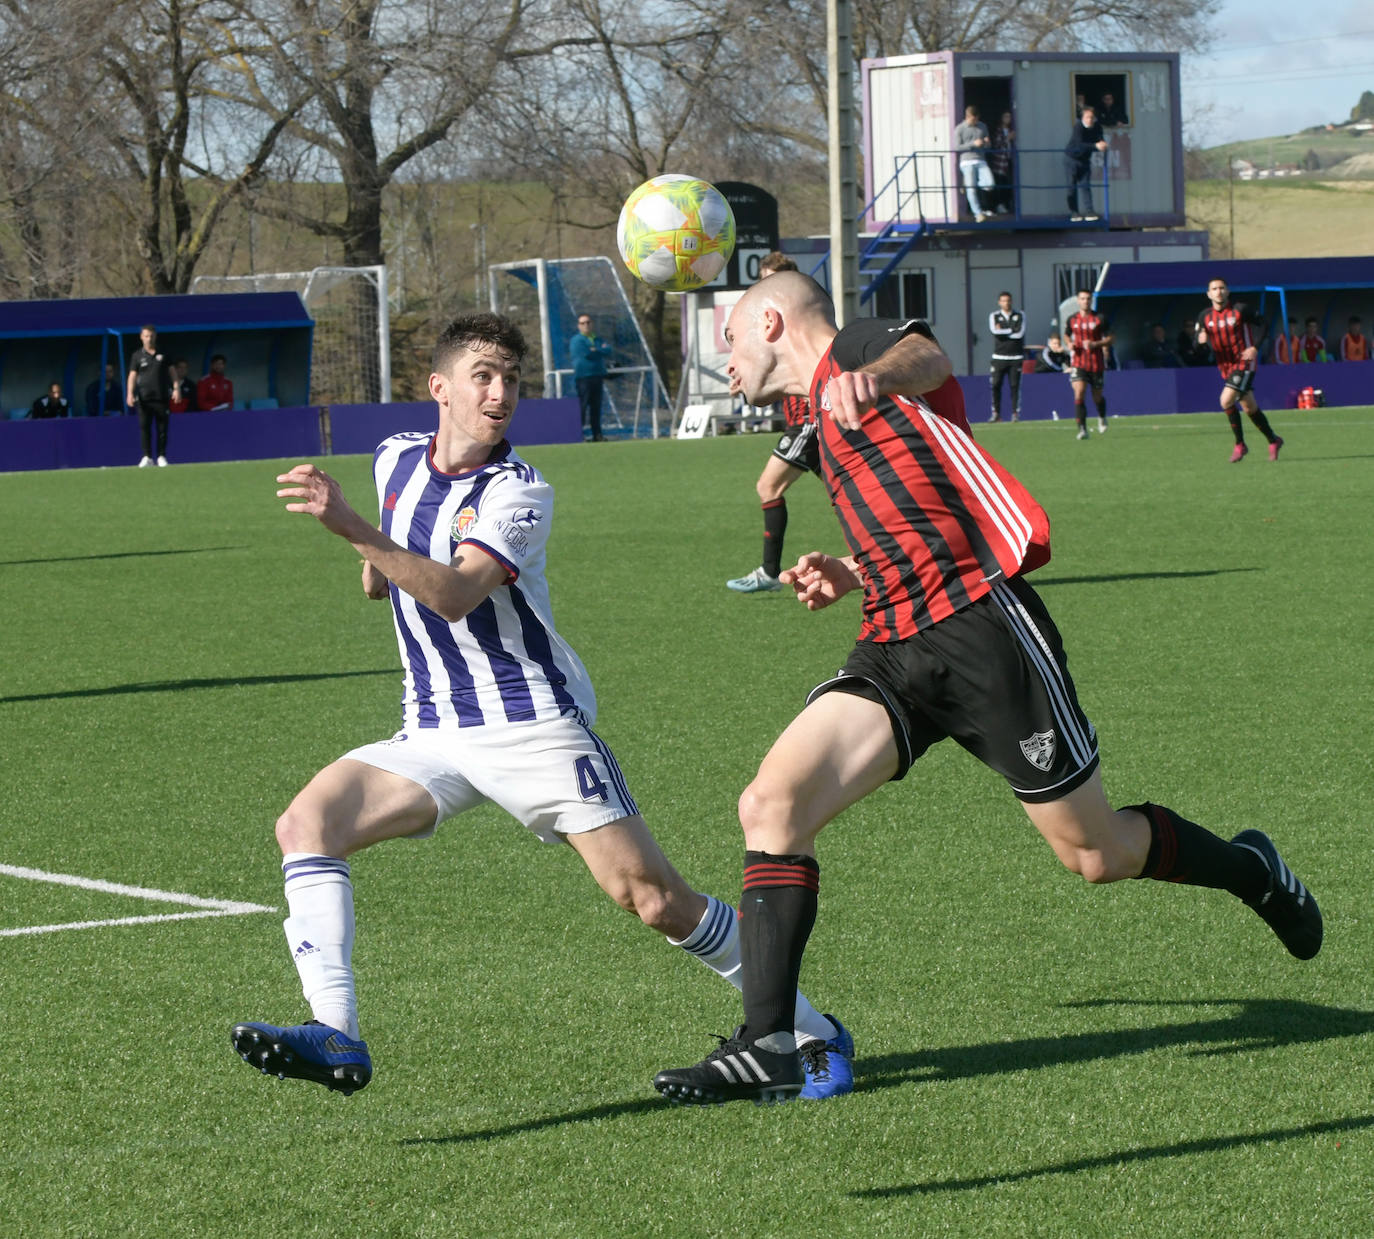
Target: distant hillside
pixel 1288 218
pixel 1334 154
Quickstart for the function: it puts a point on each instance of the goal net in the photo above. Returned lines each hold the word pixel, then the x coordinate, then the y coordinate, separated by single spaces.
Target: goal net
pixel 552 293
pixel 350 360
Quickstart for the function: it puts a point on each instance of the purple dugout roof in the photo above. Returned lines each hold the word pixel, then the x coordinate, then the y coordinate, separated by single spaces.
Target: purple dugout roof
pixel 1142 279
pixel 126 315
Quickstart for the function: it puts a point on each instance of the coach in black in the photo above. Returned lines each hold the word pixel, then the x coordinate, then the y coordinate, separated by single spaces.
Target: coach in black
pixel 151 388
pixel 1008 329
pixel 953 643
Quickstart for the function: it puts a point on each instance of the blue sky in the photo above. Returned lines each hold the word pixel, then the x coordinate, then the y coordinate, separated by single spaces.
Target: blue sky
pixel 1277 66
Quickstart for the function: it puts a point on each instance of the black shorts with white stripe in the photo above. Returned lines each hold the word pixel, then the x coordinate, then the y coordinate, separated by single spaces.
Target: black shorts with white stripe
pixel 995 678
pixel 800 447
pixel 1240 380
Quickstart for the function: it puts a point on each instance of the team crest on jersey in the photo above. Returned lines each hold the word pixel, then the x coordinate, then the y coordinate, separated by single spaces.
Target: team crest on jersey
pixel 526 518
pixel 1039 749
pixel 462 523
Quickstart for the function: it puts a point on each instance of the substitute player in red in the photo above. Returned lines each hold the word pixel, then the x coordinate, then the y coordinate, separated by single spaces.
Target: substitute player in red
pixel 1228 327
pixel 1086 332
pixel 953 643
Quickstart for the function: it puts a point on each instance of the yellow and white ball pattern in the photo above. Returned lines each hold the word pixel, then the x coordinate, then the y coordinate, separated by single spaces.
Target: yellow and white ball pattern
pixel 676 233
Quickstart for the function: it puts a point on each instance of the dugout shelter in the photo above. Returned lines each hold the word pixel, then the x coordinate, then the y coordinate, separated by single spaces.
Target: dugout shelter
pixel 265 337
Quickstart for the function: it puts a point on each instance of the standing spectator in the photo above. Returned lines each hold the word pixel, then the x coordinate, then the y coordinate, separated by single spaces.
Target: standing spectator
pixel 1008 327
pixel 1112 113
pixel 796 455
pixel 150 390
pixel 1159 353
pixel 54 404
pixel 1227 327
pixel 110 400
pixel 1001 159
pixel 1354 344
pixel 215 390
pixel 185 399
pixel 1088 344
pixel 1053 358
pixel 589 353
pixel 1078 165
pixel 971 143
pixel 1286 344
pixel 1311 345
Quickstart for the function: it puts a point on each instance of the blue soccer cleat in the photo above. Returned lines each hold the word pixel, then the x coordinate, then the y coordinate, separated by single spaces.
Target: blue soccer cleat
pixel 829 1065
pixel 309 1051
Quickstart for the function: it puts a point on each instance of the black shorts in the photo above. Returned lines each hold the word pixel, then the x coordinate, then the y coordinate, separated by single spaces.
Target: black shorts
pixel 993 676
pixel 1092 377
pixel 1240 380
pixel 800 447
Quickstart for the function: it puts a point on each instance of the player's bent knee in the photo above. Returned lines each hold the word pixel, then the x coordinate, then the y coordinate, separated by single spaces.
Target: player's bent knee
pixel 299 831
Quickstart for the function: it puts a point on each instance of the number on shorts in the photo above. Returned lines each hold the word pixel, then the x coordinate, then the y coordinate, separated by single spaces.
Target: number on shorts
pixel 589 782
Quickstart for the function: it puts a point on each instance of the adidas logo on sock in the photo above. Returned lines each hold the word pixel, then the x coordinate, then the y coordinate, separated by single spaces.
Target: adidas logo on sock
pixel 306 948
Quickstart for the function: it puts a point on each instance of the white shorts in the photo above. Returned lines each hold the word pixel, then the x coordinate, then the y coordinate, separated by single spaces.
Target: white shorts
pixel 555 777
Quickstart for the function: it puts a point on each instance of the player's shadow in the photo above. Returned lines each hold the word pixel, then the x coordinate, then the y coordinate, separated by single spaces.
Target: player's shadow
pixel 1108 577
pixel 1120 1157
pixel 1250 1024
pixel 177 686
pixel 66 559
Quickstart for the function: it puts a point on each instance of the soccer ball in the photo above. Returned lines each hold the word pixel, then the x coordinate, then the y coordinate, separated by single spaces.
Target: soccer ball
pixel 676 233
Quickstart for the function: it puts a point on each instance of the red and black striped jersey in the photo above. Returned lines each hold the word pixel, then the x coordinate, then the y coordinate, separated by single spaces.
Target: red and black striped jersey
pixel 1081 330
pixel 796 410
pixel 932 520
pixel 1228 332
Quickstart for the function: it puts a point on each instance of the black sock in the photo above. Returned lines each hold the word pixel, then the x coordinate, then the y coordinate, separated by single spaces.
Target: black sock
pixel 1262 424
pixel 1101 399
pixel 1182 851
pixel 1233 416
pixel 774 526
pixel 777 911
pixel 1080 414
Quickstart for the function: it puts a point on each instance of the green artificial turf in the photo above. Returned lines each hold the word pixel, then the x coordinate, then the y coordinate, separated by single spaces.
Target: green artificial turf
pixel 1035 1056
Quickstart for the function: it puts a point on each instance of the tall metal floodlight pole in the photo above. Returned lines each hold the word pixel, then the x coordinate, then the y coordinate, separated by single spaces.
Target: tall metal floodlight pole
pixel 844 197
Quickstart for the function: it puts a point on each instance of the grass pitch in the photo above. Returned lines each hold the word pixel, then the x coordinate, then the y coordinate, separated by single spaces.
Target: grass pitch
pixel 1036 1057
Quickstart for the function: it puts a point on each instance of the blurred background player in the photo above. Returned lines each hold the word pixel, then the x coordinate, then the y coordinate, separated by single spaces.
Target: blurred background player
pixel 589 355
pixel 1008 329
pixel 496 708
pixel 1354 344
pixel 216 389
pixel 150 389
pixel 1226 327
pixel 1053 358
pixel 1088 340
pixel 795 455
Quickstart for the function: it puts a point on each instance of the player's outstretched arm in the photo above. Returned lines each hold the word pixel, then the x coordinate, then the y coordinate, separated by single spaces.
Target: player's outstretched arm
pixel 820 579
pixel 450 590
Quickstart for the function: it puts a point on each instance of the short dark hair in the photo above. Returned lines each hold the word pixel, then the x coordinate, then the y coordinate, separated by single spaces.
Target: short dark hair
pixel 1006 294
pixel 1313 321
pixel 148 327
pixel 775 262
pixel 219 357
pixel 475 330
pixel 1354 318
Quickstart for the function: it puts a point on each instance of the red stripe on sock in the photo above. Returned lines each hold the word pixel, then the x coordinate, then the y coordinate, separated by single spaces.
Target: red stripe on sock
pixel 782 875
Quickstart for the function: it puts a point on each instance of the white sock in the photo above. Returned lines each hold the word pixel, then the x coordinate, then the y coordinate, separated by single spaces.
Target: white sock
pixel 715 941
pixel 319 932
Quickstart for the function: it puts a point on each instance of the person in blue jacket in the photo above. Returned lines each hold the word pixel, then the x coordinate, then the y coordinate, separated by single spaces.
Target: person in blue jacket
pixel 589 353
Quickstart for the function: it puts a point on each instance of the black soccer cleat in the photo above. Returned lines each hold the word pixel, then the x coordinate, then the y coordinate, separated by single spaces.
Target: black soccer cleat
pixel 309 1051
pixel 736 1070
pixel 1287 907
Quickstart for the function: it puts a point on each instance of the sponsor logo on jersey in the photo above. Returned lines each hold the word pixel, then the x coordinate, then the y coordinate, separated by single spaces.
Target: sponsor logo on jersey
pixel 390 504
pixel 1038 748
pixel 513 537
pixel 462 523
pixel 526 518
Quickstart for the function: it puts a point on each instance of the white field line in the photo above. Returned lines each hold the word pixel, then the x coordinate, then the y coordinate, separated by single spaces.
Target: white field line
pixel 210 907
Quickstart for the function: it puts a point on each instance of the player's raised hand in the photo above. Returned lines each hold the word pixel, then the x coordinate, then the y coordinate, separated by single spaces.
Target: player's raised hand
pixel 819 579
pixel 319 496
pixel 850 394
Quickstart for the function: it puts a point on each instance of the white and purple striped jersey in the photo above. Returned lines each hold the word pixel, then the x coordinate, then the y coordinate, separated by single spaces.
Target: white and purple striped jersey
pixel 503 662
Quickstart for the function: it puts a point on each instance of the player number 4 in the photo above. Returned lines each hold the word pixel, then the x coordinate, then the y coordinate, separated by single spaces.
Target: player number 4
pixel 589 782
